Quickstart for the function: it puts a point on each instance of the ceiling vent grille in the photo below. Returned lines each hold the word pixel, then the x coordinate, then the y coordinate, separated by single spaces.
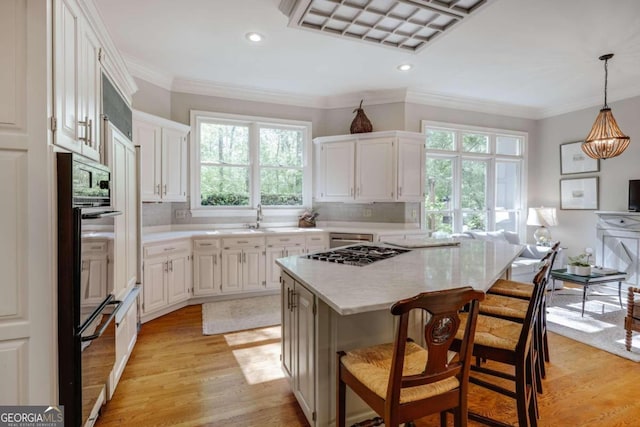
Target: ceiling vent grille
pixel 407 25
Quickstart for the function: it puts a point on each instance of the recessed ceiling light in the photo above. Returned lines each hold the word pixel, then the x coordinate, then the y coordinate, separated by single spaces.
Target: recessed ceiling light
pixel 254 37
pixel 405 67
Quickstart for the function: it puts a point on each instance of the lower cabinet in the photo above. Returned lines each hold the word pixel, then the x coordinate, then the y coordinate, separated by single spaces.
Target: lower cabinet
pixel 167 275
pixel 94 274
pixel 243 265
pixel 299 308
pixel 207 266
pixel 126 336
pixel 280 247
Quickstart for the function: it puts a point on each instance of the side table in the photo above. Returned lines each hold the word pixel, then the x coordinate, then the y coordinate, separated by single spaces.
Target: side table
pixel 586 281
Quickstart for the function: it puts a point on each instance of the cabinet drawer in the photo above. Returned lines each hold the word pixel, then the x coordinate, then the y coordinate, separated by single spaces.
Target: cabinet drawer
pixel 285 241
pixel 317 240
pixel 240 242
pixel 167 248
pixel 206 244
pixel 94 246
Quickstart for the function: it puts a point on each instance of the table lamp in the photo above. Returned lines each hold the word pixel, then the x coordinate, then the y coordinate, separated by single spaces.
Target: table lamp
pixel 542 218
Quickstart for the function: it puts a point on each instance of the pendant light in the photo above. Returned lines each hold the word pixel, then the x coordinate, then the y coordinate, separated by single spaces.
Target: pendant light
pixel 605 140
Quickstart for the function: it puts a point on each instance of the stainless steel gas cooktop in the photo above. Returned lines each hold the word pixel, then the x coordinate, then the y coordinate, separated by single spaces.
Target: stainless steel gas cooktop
pixel 360 255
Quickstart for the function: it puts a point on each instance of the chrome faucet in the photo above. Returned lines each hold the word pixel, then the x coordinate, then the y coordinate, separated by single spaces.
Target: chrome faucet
pixel 259 216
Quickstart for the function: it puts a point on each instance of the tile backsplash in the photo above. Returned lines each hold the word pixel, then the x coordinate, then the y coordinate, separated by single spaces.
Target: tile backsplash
pixel 157 214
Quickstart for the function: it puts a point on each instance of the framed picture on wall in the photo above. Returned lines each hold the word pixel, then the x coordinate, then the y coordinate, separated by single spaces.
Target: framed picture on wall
pixel 579 193
pixel 574 160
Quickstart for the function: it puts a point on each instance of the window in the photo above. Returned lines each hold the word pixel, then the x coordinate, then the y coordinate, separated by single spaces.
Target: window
pixel 475 178
pixel 241 161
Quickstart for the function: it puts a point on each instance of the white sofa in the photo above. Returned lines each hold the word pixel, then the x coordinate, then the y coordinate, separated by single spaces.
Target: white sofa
pixel 525 266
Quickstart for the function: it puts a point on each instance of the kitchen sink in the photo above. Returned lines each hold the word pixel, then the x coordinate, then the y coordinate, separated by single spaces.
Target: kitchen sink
pixel 240 231
pixel 284 229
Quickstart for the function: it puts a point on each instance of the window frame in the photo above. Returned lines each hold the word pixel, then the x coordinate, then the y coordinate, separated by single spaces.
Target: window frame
pixel 254 123
pixel 458 156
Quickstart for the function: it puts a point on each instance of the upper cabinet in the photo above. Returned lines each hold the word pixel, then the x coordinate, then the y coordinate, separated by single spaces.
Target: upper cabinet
pixel 163 158
pixel 77 54
pixel 371 167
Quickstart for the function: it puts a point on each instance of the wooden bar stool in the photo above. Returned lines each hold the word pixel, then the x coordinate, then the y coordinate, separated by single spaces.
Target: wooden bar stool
pixel 402 381
pixel 510 343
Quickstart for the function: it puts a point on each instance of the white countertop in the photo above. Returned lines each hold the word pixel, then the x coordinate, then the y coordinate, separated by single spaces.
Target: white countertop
pixel 351 289
pixel 376 229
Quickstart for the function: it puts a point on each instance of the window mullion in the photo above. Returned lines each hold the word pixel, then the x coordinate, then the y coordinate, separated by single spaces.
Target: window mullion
pixel 254 161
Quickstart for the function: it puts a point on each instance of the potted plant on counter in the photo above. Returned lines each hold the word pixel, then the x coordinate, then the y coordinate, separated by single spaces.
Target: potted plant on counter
pixel 579 265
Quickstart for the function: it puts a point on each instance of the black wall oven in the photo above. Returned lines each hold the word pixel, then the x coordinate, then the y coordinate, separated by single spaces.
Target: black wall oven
pixel 86 304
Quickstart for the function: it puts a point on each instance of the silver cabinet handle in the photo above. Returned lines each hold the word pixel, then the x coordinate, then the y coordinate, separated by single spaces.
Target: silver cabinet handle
pixel 168 249
pixel 293 299
pixel 351 191
pixel 89 131
pixel 84 123
pixel 165 189
pixel 166 266
pixel 244 257
pixel 171 265
pixel 206 244
pixel 242 241
pixel 156 190
pixel 399 191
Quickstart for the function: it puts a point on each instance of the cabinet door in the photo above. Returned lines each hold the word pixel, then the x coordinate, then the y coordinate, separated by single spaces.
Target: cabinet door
pixel 178 285
pixel 119 171
pixel 287 325
pixel 336 174
pixel 253 269
pixel 174 166
pixel 149 138
pixel 154 289
pixel 89 99
pixel 66 51
pixel 374 170
pixel 131 212
pixel 410 170
pixel 231 270
pixel 126 335
pixel 304 349
pixel 272 269
pixel 206 271
pixel 622 254
pixel 93 277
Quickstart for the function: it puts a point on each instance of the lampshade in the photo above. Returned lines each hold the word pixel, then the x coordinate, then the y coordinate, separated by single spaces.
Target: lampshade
pixel 605 140
pixel 542 217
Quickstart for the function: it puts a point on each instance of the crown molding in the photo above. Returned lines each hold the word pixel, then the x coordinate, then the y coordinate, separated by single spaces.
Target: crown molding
pixel 147 73
pixel 612 96
pixel 112 62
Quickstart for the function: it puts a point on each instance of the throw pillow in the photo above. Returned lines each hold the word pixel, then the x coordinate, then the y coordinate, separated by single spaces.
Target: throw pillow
pixel 512 237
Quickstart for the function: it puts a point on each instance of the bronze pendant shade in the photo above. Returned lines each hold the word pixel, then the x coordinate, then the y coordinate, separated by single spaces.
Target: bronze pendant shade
pixel 605 140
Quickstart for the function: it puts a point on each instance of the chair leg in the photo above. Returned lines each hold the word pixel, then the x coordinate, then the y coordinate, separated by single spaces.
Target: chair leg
pixel 443 419
pixel 522 396
pixel 340 396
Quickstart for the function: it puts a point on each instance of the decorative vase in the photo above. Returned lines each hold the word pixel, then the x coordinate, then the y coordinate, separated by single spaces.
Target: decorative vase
pixel 570 269
pixel 361 124
pixel 581 271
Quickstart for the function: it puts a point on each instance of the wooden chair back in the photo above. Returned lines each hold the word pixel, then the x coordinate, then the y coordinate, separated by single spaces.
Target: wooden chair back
pixel 442 308
pixel 535 303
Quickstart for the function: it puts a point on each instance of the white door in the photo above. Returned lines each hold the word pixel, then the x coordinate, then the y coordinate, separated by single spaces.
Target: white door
pixel 149 138
pixel 304 377
pixel 231 270
pixel 174 162
pixel 287 325
pixel 177 278
pixel 206 271
pixel 154 292
pixel 410 170
pixel 131 212
pixel 94 280
pixel 253 268
pixel 272 269
pixel 89 115
pixel 336 173
pixel 119 174
pixel 374 170
pixel 66 51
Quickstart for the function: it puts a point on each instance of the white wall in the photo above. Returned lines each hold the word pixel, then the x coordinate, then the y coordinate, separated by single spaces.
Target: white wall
pixel 577 229
pixel 152 99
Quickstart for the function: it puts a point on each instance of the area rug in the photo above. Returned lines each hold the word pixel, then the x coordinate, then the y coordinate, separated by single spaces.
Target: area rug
pixel 236 315
pixel 602 325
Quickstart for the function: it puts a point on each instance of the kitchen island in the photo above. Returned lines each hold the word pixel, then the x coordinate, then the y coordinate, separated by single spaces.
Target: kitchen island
pixel 328 307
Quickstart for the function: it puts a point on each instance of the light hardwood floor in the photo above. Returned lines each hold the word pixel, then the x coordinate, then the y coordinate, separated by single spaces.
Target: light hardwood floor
pixel 178 377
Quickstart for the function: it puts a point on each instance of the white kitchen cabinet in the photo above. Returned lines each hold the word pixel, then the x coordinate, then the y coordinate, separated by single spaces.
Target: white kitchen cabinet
pixel 76 81
pixel 126 336
pixel 167 276
pixel 121 158
pixel 279 247
pixel 335 174
pixel 375 170
pixel 207 266
pixel 163 153
pixel 372 167
pixel 298 343
pixel 618 246
pixel 317 243
pixel 94 274
pixel 243 264
pixel 410 170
